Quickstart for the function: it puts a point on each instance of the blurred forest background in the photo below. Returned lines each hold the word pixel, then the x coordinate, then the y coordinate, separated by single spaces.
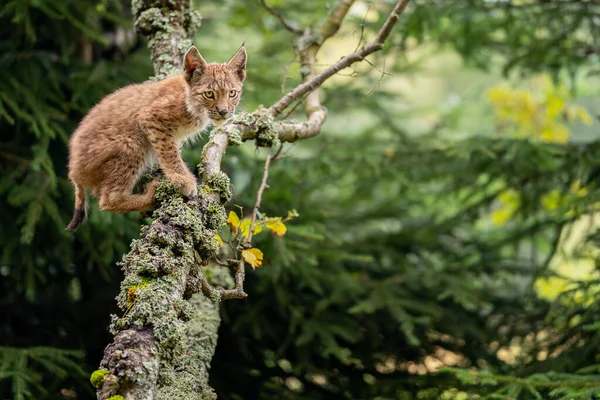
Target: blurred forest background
pixel 447 239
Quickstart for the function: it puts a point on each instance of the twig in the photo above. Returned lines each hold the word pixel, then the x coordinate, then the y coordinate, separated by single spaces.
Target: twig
pixel 383 73
pixel 362 28
pixel 220 293
pixel 293 108
pixel 373 46
pixel 261 190
pixel 281 18
pixel 293 131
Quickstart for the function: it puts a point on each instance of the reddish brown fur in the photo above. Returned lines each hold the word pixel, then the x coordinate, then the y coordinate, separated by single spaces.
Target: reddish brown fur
pixel 132 128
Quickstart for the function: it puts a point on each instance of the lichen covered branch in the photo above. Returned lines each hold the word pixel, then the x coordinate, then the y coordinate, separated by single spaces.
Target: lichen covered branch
pixel 150 348
pixel 169 26
pixel 156 353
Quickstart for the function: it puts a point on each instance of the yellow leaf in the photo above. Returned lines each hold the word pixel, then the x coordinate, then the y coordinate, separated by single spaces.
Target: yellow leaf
pixel 233 221
pixel 550 288
pixel 580 113
pixel 577 189
pixel 276 226
pixel 501 216
pixel 253 257
pixel 554 105
pixel 551 200
pixel 219 240
pixel 292 213
pixel 245 227
pixel 555 133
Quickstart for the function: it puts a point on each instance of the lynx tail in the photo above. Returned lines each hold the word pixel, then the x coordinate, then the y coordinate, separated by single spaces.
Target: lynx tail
pixel 80 213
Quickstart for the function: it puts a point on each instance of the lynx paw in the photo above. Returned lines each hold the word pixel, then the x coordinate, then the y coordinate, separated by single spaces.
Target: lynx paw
pixel 187 184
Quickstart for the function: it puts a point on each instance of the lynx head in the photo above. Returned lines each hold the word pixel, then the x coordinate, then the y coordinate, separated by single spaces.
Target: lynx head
pixel 214 87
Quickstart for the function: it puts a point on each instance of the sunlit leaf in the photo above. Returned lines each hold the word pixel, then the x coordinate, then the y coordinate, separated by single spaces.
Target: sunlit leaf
pixel 253 257
pixel 234 221
pixel 276 226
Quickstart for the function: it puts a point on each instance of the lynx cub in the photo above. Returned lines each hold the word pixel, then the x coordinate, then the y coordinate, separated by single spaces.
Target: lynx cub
pixel 132 128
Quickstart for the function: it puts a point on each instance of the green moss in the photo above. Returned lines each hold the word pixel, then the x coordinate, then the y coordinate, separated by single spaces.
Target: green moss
pixel 97 377
pixel 116 397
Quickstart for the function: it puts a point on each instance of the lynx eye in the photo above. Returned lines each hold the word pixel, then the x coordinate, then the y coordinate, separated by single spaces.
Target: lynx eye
pixel 232 94
pixel 209 94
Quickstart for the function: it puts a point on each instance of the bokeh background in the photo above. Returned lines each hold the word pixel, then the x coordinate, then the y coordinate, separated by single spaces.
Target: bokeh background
pixel 446 245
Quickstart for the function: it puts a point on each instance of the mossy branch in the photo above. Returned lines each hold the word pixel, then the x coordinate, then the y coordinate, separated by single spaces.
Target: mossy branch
pixel 163 343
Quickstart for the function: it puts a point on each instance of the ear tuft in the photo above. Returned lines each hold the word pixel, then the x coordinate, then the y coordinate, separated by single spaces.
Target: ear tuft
pixel 237 64
pixel 193 63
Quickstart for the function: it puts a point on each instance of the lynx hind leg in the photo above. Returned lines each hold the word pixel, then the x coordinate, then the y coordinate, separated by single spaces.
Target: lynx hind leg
pixel 121 200
pixel 116 192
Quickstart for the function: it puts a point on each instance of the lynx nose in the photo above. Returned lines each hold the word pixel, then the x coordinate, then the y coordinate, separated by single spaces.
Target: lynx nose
pixel 223 112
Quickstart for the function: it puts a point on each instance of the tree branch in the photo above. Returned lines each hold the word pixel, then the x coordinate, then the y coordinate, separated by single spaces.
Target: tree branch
pixel 287 25
pixel 334 20
pixel 153 341
pixel 261 190
pixel 249 128
pixel 319 79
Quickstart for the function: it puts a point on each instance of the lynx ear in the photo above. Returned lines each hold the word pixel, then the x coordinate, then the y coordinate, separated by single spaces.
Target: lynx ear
pixel 237 64
pixel 193 62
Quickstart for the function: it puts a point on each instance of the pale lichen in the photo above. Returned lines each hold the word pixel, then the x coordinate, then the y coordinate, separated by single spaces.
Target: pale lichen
pixel 261 125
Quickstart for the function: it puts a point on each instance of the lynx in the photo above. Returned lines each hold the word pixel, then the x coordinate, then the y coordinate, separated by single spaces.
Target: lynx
pixel 136 126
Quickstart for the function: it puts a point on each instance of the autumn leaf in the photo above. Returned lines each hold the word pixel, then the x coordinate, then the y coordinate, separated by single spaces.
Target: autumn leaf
pixel 276 226
pixel 253 257
pixel 233 221
pixel 219 240
pixel 293 213
pixel 245 227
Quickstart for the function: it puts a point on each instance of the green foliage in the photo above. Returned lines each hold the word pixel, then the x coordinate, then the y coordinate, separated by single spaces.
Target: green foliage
pixel 528 35
pixel 24 369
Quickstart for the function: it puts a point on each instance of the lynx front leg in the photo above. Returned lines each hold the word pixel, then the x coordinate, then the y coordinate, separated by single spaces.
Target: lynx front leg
pixel 171 163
